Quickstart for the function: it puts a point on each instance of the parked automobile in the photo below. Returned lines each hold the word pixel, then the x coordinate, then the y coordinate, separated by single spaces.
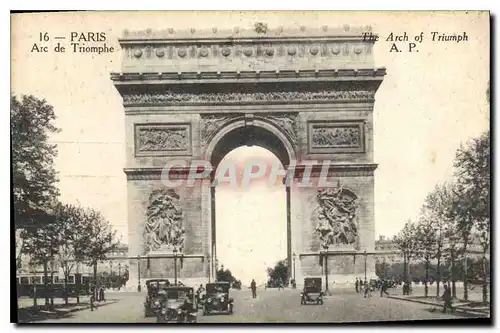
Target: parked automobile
pixel 154 289
pixel 178 305
pixel 312 292
pixel 217 299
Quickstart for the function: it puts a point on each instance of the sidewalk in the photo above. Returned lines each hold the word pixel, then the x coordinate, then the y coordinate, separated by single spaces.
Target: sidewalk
pixel 28 313
pixel 467 307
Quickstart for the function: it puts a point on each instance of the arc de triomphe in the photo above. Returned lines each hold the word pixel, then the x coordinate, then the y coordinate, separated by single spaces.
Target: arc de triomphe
pixel 305 95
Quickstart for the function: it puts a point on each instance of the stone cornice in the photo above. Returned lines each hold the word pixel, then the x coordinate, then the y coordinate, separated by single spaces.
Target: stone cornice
pixel 335 170
pixel 370 74
pixel 350 166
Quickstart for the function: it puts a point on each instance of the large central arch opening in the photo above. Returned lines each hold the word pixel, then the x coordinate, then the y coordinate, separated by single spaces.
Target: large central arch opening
pixel 251 224
pixel 251 231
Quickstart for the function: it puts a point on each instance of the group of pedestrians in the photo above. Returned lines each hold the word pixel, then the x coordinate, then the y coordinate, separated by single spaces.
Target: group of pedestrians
pixel 363 287
pixel 366 288
pixel 96 295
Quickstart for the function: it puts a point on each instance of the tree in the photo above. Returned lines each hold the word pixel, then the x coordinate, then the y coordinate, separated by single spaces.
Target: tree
pixel 100 240
pixel 451 250
pixel 434 210
pixel 405 242
pixel 425 245
pixel 382 269
pixel 33 174
pixel 42 245
pixel 225 275
pixel 72 227
pixel 20 246
pixel 279 273
pixel 471 207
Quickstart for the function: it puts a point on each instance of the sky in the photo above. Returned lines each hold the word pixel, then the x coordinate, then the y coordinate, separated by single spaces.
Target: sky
pixel 428 103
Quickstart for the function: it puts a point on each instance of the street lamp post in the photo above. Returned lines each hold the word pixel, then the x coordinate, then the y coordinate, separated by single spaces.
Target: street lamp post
pixel 384 269
pixel 209 269
pixel 216 268
pixel 111 274
pixel 139 273
pixel 294 255
pixel 119 275
pixel 175 266
pixel 325 255
pixel 365 264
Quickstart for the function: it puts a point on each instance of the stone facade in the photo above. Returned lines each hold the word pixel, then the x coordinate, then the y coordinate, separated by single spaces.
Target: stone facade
pixel 307 95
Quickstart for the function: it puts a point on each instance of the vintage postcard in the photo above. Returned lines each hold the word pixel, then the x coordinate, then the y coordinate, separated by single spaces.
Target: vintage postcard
pixel 251 167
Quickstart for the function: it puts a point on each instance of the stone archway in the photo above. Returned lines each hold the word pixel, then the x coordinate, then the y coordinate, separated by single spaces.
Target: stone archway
pixel 237 130
pixel 308 94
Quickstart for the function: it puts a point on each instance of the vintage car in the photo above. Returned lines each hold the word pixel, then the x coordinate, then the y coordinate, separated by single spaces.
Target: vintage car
pixel 154 289
pixel 178 305
pixel 217 298
pixel 312 292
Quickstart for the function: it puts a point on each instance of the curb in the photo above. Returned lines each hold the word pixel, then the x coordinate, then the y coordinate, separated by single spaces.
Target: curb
pixel 456 309
pixel 83 307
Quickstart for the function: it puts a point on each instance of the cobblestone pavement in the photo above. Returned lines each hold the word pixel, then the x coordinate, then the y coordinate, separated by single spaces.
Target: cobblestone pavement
pixel 270 306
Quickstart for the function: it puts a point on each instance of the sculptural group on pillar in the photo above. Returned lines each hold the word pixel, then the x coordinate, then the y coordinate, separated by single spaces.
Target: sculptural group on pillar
pixel 336 215
pixel 164 228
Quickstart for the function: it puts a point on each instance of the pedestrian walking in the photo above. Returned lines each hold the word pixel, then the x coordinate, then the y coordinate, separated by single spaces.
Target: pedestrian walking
pixel 101 294
pixel 383 288
pixel 253 286
pixel 367 289
pixel 356 284
pixel 447 299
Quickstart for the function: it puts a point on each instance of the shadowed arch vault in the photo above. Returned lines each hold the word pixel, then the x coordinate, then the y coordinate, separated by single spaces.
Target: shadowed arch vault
pixel 259 133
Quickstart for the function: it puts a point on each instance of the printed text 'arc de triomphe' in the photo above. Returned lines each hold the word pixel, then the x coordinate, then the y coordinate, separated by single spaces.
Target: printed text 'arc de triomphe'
pixel 305 94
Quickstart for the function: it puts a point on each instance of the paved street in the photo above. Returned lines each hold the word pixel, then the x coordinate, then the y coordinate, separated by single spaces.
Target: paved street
pixel 270 306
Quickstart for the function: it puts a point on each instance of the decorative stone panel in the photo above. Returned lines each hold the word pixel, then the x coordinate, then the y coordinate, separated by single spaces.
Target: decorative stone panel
pixel 336 137
pixel 162 139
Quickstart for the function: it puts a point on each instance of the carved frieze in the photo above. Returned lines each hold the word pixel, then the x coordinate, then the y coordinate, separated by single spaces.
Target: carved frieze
pixel 164 228
pixel 158 139
pixel 336 137
pixel 345 136
pixel 336 217
pixel 173 98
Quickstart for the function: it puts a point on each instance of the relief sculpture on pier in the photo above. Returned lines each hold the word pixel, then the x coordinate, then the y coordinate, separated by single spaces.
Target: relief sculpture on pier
pixel 164 221
pixel 336 214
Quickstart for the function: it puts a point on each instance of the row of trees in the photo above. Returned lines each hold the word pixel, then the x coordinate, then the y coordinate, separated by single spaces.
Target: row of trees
pixel 47 230
pixel 453 214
